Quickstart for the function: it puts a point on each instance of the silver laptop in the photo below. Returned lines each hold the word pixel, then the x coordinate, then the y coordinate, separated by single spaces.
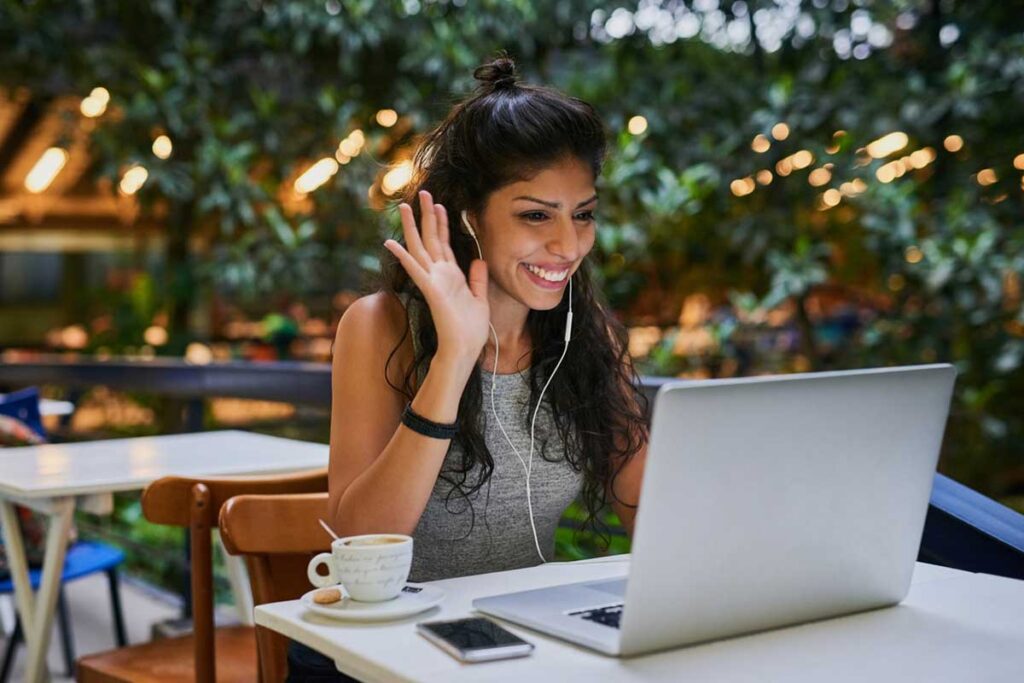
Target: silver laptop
pixel 766 502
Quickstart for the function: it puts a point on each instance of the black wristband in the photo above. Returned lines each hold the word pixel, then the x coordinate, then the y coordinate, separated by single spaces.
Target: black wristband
pixel 421 425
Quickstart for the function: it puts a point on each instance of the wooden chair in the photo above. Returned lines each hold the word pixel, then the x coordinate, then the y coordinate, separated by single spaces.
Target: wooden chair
pixel 208 654
pixel 278 536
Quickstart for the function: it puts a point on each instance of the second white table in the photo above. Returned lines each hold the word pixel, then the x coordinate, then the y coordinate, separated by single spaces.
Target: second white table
pixel 54 478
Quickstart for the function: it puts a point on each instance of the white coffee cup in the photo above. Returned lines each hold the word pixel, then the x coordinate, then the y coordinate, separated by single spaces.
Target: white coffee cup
pixel 371 567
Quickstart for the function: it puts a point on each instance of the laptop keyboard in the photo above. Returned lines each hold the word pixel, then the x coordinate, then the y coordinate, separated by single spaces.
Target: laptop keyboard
pixel 609 616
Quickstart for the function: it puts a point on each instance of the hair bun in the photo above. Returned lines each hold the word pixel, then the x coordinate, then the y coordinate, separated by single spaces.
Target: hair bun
pixel 499 74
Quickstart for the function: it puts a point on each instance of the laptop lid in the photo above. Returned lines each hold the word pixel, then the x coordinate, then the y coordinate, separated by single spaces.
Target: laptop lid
pixel 769 501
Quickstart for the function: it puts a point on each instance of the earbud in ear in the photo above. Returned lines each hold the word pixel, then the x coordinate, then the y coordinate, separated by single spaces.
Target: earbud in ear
pixel 469 229
pixel 465 222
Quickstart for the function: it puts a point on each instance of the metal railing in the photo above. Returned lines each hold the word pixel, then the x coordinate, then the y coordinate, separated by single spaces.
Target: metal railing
pixel 964 529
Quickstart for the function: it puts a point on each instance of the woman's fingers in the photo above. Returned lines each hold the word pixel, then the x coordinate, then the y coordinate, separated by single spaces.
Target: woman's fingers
pixel 412 236
pixel 478 279
pixel 411 265
pixel 442 232
pixel 428 226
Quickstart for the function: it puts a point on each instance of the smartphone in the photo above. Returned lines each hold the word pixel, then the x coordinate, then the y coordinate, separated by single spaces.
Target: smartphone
pixel 474 639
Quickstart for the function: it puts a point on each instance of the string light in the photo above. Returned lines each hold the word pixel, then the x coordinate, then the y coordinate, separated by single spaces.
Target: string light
pixel 637 125
pixel 387 117
pixel 742 186
pixel 953 143
pixel 45 169
pixel 760 144
pixel 831 197
pixel 819 177
pixel 887 144
pixel 133 179
pixel 397 178
pixel 886 173
pixel 853 187
pixel 780 131
pixel 834 147
pixel 155 335
pixel 162 148
pixel 316 175
pixel 987 176
pixel 96 103
pixel 922 157
pixel 802 159
pixel 764 176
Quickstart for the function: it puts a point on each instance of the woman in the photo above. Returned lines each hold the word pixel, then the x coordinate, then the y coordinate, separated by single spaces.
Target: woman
pixel 461 415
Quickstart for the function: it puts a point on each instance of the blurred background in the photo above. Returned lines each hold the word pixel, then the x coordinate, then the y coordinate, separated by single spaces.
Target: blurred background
pixel 791 186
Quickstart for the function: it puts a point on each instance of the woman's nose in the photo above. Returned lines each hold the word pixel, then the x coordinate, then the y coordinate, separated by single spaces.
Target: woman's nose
pixel 565 243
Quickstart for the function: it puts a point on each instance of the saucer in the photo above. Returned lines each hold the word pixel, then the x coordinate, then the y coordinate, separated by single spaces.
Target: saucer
pixel 413 599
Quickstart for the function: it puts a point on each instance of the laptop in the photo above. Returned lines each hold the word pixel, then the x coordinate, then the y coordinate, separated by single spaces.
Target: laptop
pixel 766 502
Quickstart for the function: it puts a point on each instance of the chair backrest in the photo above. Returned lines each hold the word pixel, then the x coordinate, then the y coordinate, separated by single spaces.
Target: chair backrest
pixel 278 535
pixel 195 504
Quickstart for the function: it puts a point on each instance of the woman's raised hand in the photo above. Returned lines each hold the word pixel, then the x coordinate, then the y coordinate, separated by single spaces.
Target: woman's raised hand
pixel 459 308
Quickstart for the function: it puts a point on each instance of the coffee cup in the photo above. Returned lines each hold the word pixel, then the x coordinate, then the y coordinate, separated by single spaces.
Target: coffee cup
pixel 371 567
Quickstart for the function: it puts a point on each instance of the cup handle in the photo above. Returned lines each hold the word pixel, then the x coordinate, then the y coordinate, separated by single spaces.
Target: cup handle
pixel 317 579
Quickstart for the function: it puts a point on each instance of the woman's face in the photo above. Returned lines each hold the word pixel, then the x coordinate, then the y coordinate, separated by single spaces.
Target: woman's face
pixel 536 232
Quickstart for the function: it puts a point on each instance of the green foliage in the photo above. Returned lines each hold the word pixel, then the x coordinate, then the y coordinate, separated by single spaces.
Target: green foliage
pixel 927 266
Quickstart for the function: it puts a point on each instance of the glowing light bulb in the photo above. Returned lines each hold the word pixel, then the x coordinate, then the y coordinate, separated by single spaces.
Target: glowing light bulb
pixel 162 148
pixel 45 169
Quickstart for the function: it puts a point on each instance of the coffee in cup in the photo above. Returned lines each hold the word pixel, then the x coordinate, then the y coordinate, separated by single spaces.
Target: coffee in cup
pixel 376 540
pixel 371 567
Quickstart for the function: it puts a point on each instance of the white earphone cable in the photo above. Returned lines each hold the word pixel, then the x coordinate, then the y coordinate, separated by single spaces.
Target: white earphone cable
pixel 527 464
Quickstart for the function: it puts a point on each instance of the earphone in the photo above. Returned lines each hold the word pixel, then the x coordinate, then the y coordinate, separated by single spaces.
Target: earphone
pixel 527 464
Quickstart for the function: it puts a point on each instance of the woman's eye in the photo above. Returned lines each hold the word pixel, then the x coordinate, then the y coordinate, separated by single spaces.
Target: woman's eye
pixel 540 215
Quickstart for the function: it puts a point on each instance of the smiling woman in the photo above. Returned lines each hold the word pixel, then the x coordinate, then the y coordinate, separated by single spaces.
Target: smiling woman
pixel 488 294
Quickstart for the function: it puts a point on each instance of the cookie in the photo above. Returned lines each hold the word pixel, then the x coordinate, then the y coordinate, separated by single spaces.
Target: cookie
pixel 327 596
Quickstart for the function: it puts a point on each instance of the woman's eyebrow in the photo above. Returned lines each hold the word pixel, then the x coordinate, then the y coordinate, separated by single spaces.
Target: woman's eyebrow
pixel 554 205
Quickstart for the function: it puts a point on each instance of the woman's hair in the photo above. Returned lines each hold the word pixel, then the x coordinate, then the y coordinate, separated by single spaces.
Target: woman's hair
pixel 506 131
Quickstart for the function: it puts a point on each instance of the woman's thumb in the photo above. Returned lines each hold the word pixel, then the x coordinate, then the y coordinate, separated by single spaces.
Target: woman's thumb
pixel 478 279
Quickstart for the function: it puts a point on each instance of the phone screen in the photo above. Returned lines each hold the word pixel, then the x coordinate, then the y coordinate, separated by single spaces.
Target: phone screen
pixel 473 634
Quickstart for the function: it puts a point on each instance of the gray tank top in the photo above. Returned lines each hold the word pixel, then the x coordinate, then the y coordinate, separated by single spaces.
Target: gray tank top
pixel 489 530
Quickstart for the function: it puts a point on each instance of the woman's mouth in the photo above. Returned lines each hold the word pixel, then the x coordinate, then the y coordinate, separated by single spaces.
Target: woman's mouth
pixel 547 278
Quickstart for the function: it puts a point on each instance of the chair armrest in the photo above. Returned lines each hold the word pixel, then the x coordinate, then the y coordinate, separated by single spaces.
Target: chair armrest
pixel 966 530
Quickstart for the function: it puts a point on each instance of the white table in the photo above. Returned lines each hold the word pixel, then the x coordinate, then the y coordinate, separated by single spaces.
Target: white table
pixel 54 478
pixel 953 626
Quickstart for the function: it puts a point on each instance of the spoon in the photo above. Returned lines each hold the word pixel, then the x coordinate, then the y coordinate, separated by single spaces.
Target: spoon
pixel 328 529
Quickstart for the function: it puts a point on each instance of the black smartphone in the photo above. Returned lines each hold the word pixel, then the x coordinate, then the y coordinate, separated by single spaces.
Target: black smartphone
pixel 474 639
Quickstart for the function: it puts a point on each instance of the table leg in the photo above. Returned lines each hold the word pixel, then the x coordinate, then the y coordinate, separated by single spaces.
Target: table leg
pixel 37 611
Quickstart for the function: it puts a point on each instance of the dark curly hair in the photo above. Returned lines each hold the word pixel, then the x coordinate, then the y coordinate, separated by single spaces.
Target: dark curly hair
pixel 504 132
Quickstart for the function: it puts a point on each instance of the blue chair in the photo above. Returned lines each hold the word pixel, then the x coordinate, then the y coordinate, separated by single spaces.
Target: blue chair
pixel 83 558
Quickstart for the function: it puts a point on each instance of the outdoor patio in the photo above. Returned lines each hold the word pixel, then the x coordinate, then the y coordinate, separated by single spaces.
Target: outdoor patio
pixel 91 621
pixel 193 197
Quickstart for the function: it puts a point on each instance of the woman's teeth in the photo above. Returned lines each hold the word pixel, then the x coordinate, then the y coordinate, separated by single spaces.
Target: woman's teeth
pixel 550 276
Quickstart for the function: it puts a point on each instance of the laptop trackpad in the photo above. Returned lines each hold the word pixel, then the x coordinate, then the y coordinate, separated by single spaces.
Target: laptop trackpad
pixel 616 587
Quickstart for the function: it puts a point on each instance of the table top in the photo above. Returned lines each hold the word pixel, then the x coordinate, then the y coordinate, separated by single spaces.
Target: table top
pixel 953 626
pixel 66 469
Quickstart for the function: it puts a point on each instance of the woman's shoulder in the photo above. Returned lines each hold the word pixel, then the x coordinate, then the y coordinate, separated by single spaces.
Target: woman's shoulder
pixel 376 324
pixel 380 312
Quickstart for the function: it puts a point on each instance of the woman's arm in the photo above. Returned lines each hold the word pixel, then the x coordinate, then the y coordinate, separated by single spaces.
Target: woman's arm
pixel 625 488
pixel 381 473
pixel 628 470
